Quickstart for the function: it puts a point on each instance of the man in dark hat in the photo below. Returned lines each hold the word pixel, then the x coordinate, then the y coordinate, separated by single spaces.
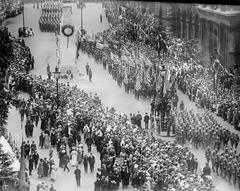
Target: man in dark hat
pixel 206 170
pixel 87 68
pixel 27 149
pixel 89 142
pixel 139 119
pixel 41 140
pixel 234 173
pixel 91 160
pixel 30 165
pixel 45 167
pixel 48 72
pixel 30 128
pixel 146 120
pixel 85 163
pixel 90 74
pixel 35 157
pixel 33 147
pixel 77 173
pixel 66 160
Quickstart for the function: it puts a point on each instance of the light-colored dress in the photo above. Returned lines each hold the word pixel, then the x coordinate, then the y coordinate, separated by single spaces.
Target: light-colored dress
pixel 46 141
pixel 40 169
pixel 54 173
pixel 74 157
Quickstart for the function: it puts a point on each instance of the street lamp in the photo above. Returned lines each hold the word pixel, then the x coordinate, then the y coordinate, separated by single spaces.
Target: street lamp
pixel 216 65
pixel 81 5
pixel 163 73
pixel 57 76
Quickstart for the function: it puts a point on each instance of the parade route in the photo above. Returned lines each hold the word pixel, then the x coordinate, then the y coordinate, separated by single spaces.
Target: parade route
pixel 43 48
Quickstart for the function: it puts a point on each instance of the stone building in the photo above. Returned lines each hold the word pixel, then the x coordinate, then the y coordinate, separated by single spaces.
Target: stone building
pixel 216 27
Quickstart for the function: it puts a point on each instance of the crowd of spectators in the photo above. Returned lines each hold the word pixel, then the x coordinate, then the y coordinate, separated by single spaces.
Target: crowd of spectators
pixel 134 52
pixel 128 154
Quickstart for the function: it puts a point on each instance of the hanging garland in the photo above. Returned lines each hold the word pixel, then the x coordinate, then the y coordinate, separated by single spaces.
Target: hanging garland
pixel 65 32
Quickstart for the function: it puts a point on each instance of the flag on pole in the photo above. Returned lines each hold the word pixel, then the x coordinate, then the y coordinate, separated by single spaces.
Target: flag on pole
pixel 148 77
pixel 139 80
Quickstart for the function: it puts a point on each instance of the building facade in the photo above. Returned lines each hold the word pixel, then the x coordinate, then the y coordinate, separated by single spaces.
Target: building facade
pixel 216 27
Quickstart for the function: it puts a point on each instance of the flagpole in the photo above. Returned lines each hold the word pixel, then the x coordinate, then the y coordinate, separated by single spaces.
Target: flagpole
pixel 23 16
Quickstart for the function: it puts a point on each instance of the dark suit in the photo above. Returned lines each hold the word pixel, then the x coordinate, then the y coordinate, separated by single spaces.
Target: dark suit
pixel 91 160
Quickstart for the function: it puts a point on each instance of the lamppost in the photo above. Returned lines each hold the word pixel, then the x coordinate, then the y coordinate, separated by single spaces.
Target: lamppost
pixel 57 76
pixel 163 72
pixel 216 65
pixel 81 6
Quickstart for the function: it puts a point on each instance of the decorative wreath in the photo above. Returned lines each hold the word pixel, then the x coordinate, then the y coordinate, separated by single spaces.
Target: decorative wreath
pixel 64 30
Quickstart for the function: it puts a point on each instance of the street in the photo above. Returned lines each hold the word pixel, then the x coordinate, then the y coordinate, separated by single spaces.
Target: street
pixel 43 48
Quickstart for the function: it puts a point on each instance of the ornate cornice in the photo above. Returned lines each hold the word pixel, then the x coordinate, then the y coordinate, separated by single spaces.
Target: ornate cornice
pixel 229 18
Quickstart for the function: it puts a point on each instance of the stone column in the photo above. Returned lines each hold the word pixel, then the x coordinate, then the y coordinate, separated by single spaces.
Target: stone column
pixel 219 36
pixel 193 29
pixel 181 28
pixel 206 39
pixel 200 34
pixel 187 28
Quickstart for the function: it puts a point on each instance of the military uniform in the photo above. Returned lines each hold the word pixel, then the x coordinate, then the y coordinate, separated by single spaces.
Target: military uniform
pixel 213 160
pixel 234 173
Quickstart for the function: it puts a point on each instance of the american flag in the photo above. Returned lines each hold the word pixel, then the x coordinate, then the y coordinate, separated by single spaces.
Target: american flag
pixel 139 80
pixel 148 77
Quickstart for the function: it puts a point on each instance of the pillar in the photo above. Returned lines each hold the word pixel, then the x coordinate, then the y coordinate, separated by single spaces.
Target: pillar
pixel 201 34
pixel 187 28
pixel 181 28
pixel 219 36
pixel 193 29
pixel 206 36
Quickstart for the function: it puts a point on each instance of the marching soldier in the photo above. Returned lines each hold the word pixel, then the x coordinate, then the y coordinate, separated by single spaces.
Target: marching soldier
pixel 234 173
pixel 221 164
pixel 208 154
pixel 213 160
pixel 217 163
pixel 238 175
pixel 225 167
pixel 229 170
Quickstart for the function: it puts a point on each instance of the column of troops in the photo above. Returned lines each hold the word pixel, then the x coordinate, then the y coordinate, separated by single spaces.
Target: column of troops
pixel 51 17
